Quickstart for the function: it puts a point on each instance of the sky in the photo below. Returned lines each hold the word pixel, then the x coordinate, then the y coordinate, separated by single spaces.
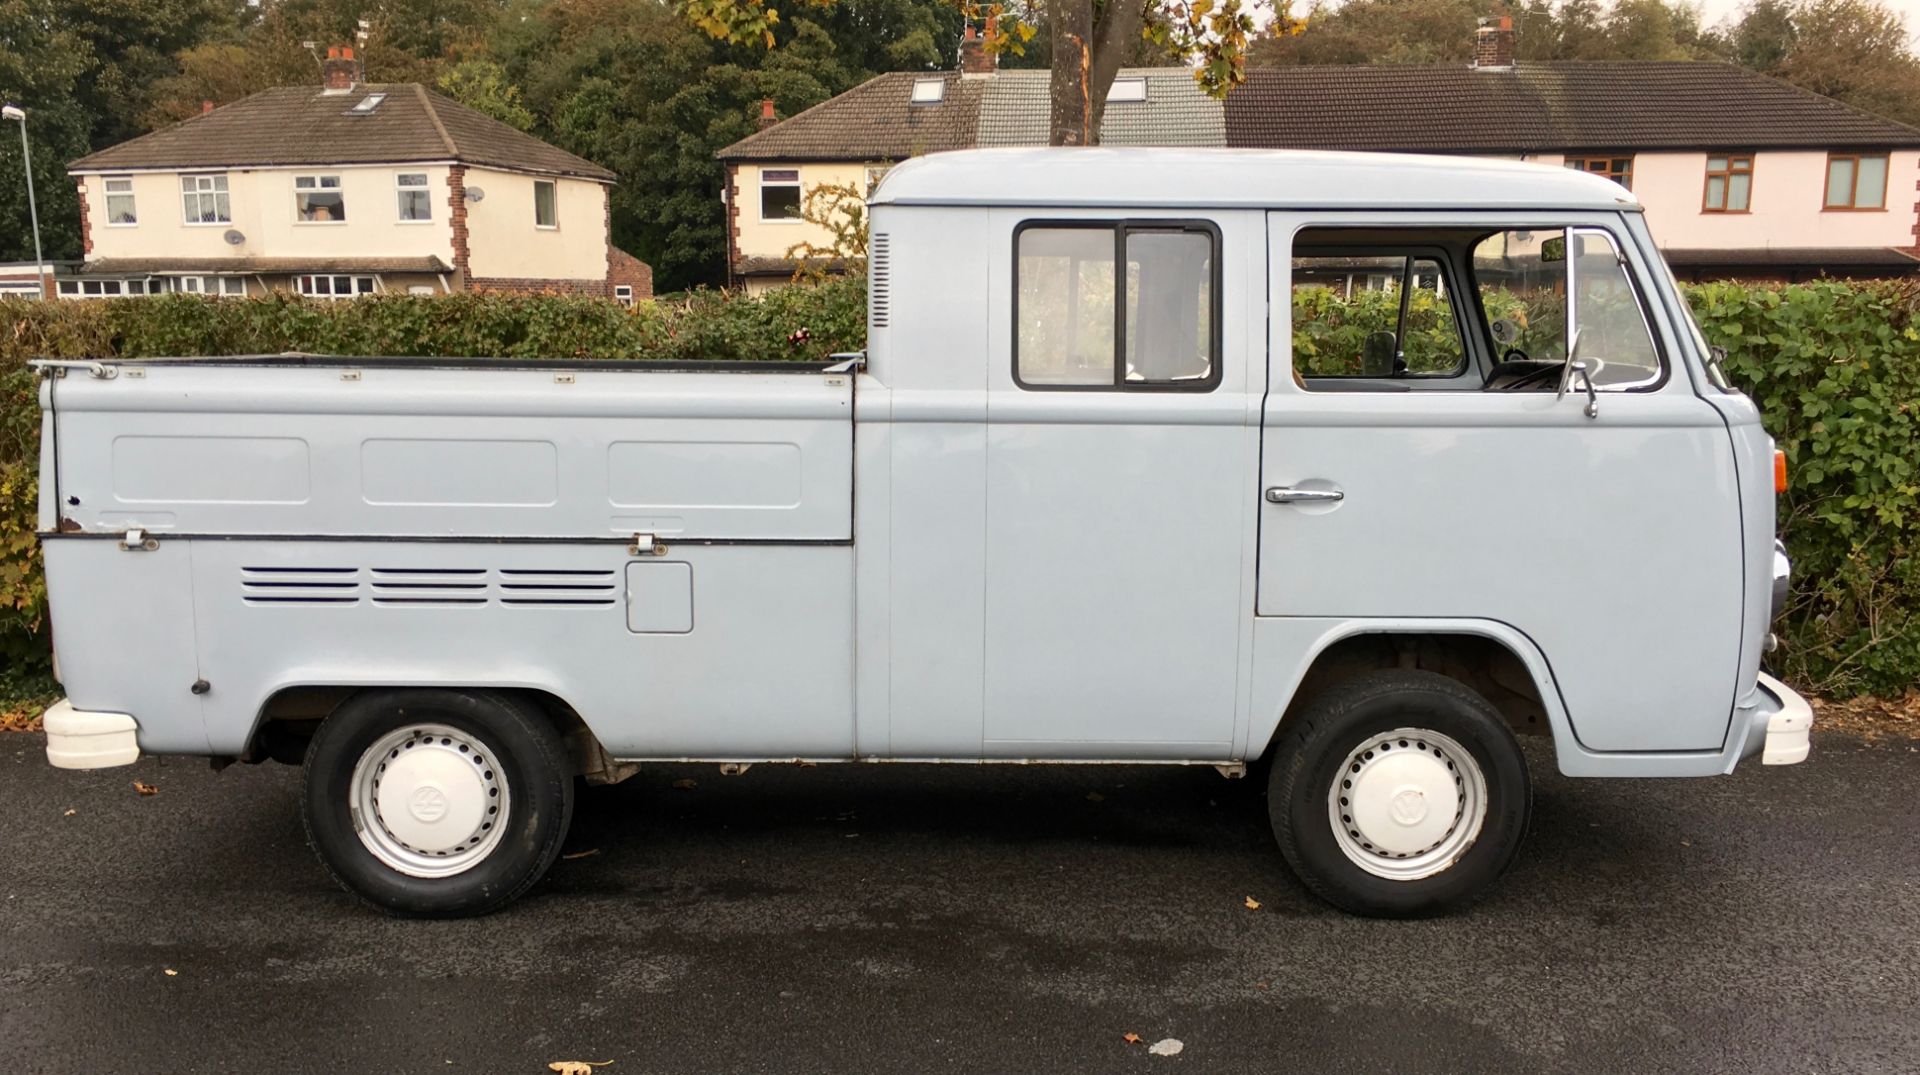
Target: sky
pixel 1714 12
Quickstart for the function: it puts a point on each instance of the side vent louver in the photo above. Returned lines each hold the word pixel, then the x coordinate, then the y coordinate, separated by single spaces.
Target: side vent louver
pixel 880 282
pixel 442 587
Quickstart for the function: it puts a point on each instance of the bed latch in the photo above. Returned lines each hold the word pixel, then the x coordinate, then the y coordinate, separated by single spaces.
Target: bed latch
pixel 136 540
pixel 646 545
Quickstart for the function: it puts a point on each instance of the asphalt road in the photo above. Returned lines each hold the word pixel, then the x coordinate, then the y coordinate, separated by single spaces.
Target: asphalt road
pixel 909 919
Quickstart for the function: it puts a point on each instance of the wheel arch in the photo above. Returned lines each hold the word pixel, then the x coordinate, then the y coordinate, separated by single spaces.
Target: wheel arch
pixel 1495 659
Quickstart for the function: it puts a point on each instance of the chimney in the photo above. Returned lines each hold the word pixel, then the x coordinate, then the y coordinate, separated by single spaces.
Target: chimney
pixel 974 57
pixel 1493 45
pixel 339 72
pixel 766 113
pixel 206 107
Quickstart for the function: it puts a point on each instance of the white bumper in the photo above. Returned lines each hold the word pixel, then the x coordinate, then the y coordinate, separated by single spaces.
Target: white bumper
pixel 82 740
pixel 1789 725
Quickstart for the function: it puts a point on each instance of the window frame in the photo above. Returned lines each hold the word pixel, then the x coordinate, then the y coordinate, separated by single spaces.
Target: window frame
pixel 401 190
pixel 1580 162
pixel 623 294
pixel 1726 176
pixel 1471 355
pixel 1853 193
pixel 211 192
pixel 799 197
pixel 339 188
pixel 301 284
pixel 1121 227
pixel 108 194
pixel 553 201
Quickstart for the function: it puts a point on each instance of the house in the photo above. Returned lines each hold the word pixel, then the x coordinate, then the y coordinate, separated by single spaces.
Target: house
pixel 345 189
pixel 1740 175
pixel 851 141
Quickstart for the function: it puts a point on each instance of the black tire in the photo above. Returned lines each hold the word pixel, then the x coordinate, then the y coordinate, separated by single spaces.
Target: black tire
pixel 532 763
pixel 1312 756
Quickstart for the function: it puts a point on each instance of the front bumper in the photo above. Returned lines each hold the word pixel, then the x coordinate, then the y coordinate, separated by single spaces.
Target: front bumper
pixel 77 739
pixel 1789 723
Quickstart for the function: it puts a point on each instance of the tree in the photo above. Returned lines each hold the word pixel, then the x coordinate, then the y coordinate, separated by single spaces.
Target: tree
pixel 41 66
pixel 482 86
pixel 1855 51
pixel 1088 41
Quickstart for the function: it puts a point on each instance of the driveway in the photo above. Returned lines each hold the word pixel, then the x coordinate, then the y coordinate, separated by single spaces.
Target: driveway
pixel 853 919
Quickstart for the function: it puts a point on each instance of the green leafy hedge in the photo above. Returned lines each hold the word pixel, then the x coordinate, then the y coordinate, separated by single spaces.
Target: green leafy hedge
pixel 1834 366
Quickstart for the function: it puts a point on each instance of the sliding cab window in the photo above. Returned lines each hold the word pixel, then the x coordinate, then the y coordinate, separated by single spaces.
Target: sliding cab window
pixel 1117 306
pixel 1379 315
pixel 1523 278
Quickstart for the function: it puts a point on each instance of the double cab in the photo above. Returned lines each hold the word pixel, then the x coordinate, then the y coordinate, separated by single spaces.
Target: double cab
pixel 1346 470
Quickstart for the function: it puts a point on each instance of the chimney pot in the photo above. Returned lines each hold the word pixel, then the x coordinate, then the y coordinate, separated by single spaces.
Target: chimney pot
pixel 975 59
pixel 206 107
pixel 340 72
pixel 766 113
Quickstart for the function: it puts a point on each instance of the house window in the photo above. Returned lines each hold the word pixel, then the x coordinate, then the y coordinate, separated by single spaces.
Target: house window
pixel 1618 169
pixel 546 213
pixel 317 199
pixel 623 294
pixel 416 202
pixel 928 91
pixel 120 201
pixel 1856 181
pixel 1729 183
pixel 1128 89
pixel 333 287
pixel 69 289
pixel 1153 323
pixel 779 194
pixel 204 199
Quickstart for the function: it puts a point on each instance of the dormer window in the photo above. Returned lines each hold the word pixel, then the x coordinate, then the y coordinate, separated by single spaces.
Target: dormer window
pixel 1127 89
pixel 929 91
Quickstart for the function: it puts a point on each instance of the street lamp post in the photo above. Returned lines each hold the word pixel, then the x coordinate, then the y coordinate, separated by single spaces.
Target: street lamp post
pixel 15 112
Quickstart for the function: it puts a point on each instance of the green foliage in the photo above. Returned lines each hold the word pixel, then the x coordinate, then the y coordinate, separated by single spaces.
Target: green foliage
pixel 482 86
pixel 1835 369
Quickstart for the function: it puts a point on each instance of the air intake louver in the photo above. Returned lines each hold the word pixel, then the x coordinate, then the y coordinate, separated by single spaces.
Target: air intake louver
pixel 445 587
pixel 880 283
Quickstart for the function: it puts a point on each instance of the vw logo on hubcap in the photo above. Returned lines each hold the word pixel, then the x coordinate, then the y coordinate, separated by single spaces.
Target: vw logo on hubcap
pixel 1409 806
pixel 428 804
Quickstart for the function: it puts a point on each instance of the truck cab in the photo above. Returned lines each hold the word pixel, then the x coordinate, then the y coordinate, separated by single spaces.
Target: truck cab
pixel 1352 468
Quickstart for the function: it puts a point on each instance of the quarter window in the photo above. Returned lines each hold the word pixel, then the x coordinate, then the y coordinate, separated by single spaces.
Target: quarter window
pixel 1856 181
pixel 1618 169
pixel 779 194
pixel 120 210
pixel 317 199
pixel 1729 183
pixel 546 213
pixel 204 199
pixel 1153 324
pixel 416 202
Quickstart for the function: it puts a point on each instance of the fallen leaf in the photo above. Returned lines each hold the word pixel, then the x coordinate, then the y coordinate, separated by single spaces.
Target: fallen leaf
pixel 588 853
pixel 1252 904
pixel 577 1067
pixel 70 812
pixel 145 789
pixel 1167 1047
pixel 1130 1039
pixel 171 973
pixel 1259 985
pixel 686 785
pixel 1095 797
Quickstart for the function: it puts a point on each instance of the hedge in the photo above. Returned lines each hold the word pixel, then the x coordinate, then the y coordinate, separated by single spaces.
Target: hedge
pixel 1835 368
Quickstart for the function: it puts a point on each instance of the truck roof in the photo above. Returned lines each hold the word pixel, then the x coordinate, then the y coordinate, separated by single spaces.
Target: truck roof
pixel 1242 179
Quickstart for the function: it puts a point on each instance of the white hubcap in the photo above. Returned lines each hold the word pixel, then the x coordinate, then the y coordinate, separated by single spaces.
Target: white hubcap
pixel 429 800
pixel 1407 804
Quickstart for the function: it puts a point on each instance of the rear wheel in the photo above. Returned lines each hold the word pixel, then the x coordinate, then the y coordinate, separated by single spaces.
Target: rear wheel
pixel 1399 793
pixel 436 802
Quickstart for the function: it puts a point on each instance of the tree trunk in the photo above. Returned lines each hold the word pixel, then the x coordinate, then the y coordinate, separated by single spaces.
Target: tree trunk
pixel 1087 49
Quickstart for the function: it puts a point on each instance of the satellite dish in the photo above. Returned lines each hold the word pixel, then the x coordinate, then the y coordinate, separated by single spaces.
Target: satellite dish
pixel 233 237
pixel 475 194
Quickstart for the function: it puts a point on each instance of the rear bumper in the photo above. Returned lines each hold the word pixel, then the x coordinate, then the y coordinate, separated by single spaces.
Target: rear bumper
pixel 1787 732
pixel 77 739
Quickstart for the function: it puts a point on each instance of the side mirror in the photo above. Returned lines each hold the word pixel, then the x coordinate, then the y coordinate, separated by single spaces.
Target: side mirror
pixel 1379 355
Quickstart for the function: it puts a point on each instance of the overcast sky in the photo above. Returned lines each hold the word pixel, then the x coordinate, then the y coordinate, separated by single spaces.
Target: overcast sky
pixel 1716 11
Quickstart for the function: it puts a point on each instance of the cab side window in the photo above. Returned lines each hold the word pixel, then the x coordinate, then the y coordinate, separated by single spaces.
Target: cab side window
pixel 1154 324
pixel 1523 279
pixel 1374 313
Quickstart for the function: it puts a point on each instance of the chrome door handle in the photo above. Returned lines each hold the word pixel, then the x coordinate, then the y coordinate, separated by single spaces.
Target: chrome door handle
pixel 1280 494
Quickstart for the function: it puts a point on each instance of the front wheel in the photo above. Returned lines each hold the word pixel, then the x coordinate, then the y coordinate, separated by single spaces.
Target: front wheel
pixel 436 803
pixel 1399 793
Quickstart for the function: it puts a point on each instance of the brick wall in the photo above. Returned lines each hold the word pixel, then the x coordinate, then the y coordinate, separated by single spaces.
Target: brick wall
pixel 86 223
pixel 733 224
pixel 457 206
pixel 624 268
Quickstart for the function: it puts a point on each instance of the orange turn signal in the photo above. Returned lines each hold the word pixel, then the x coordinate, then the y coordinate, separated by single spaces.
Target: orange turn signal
pixel 1779 471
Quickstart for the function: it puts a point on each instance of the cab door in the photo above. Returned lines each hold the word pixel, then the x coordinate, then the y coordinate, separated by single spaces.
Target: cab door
pixel 1440 473
pixel 1121 441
